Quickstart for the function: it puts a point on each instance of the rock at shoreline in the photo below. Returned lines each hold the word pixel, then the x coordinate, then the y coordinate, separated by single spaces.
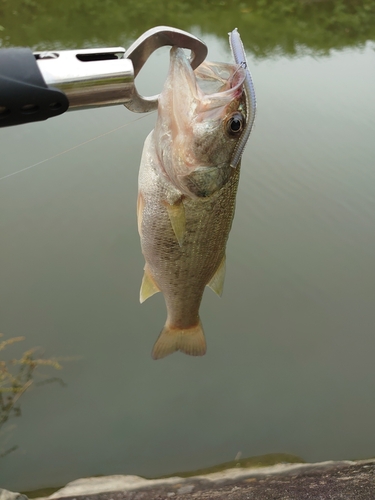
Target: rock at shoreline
pixel 343 480
pixel 10 495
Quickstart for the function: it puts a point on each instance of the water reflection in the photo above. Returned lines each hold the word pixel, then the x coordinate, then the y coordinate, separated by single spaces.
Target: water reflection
pixel 268 28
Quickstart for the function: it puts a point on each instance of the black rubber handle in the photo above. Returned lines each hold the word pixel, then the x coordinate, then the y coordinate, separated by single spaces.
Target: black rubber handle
pixel 24 95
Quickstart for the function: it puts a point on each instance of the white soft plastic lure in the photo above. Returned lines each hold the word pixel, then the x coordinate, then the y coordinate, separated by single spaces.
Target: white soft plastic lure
pixel 239 55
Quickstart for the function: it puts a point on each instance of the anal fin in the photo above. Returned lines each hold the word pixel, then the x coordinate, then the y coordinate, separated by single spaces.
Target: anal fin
pixel 148 286
pixel 176 213
pixel 217 281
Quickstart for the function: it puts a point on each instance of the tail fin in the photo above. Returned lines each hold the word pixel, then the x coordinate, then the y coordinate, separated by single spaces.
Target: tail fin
pixel 190 341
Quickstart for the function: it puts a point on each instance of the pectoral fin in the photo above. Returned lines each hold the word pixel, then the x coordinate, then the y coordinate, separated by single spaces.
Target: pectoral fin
pixel 148 287
pixel 217 281
pixel 176 215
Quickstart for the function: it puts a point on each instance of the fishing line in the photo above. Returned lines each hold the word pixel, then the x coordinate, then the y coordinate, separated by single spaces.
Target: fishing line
pixel 72 148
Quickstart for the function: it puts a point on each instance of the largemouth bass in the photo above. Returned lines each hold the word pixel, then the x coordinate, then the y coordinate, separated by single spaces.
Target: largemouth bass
pixel 187 191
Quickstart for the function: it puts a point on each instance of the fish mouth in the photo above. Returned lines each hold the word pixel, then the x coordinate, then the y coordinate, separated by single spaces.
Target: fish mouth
pixel 201 94
pixel 220 81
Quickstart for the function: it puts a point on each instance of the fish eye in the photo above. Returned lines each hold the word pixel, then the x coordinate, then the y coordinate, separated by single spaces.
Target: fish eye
pixel 235 124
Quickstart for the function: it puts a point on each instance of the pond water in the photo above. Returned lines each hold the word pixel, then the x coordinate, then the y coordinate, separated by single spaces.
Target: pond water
pixel 290 361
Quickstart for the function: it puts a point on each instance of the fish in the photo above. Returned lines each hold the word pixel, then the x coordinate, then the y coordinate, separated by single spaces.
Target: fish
pixel 187 189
